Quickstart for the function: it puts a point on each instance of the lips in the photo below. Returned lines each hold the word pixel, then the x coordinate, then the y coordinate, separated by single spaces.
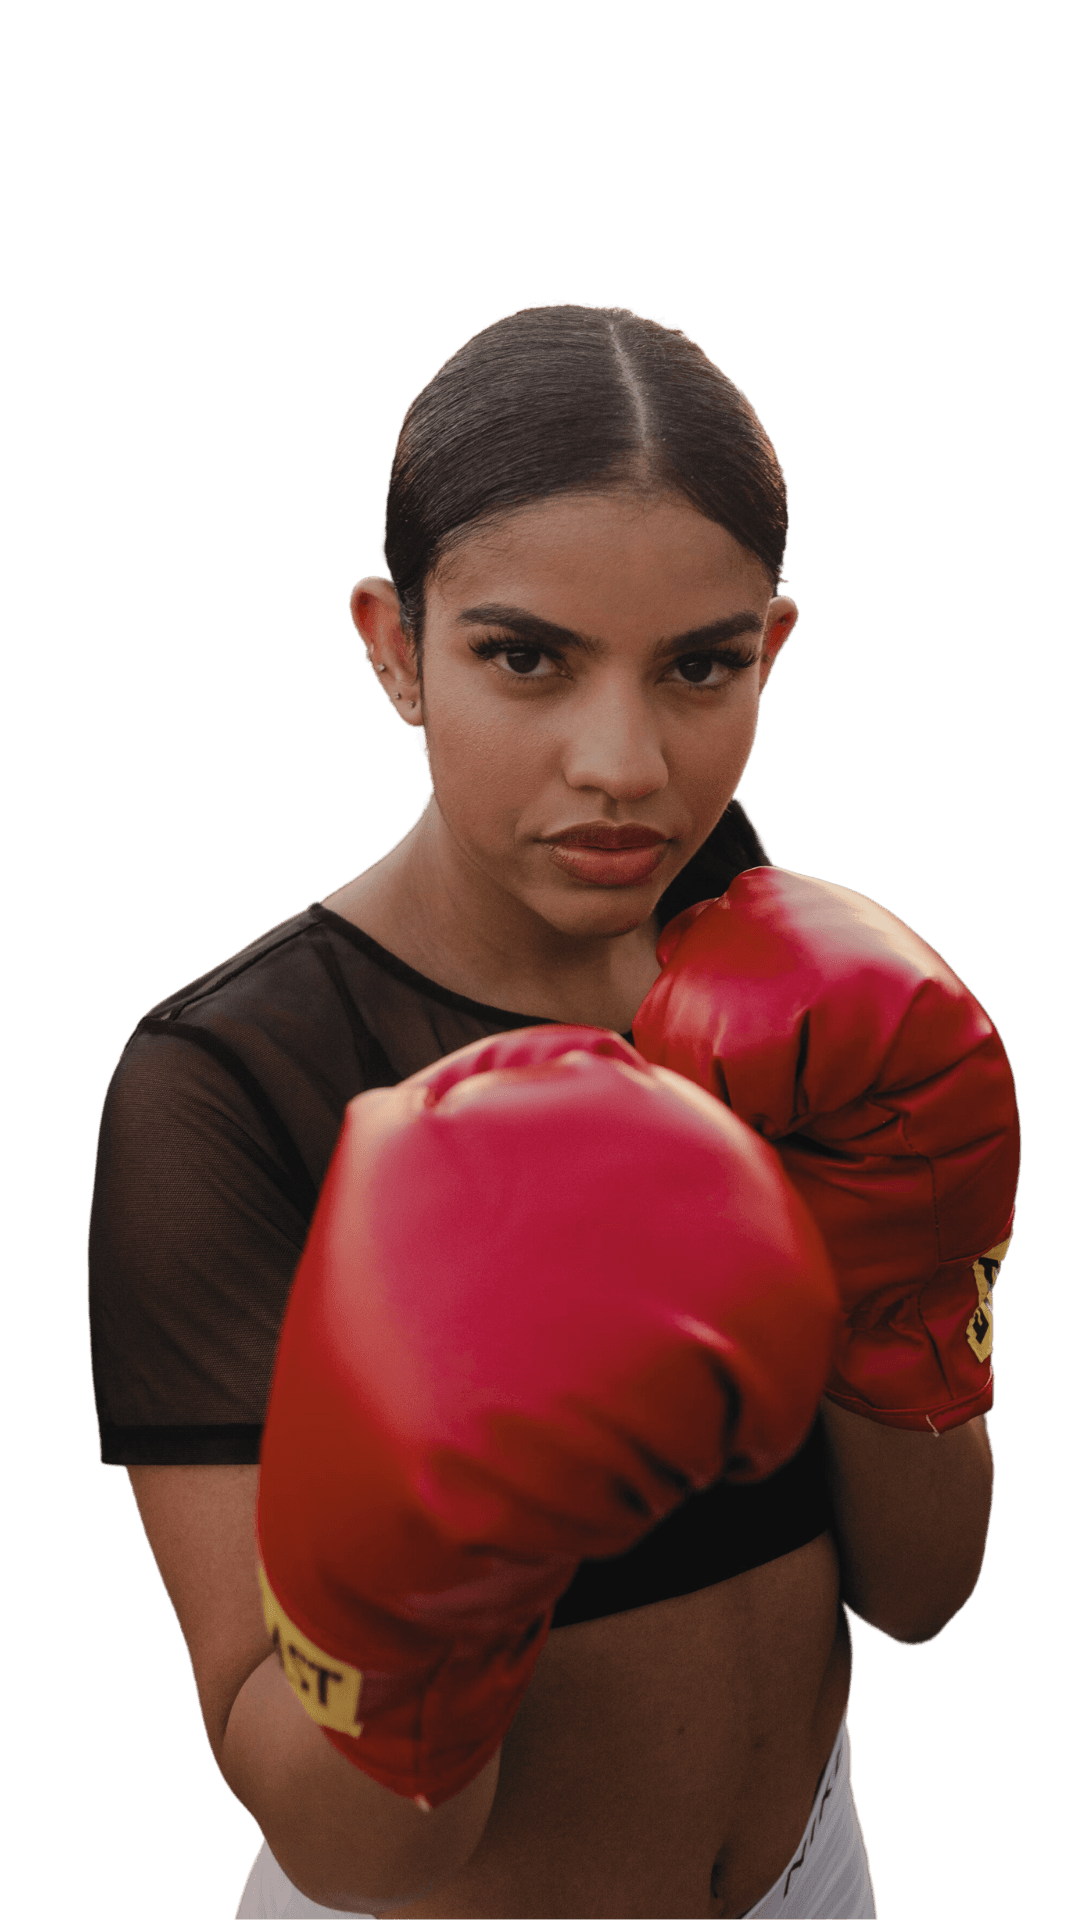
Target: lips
pixel 611 839
pixel 604 856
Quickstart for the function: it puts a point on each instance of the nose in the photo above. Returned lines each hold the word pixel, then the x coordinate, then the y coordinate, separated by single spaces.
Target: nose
pixel 612 744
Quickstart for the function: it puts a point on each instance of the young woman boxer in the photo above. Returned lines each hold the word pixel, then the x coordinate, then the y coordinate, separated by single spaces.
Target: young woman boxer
pixel 585 531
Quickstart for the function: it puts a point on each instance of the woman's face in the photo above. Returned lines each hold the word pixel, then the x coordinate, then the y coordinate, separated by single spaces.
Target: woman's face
pixel 591 673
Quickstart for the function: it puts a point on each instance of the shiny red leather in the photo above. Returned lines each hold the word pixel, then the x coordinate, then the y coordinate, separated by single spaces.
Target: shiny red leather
pixel 838 1034
pixel 548 1292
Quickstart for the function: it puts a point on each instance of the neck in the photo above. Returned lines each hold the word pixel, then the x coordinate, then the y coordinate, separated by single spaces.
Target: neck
pixel 429 904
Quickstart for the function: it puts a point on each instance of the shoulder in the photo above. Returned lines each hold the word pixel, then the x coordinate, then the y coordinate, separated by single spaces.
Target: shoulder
pixel 273 1018
pixel 252 978
pixel 252 1063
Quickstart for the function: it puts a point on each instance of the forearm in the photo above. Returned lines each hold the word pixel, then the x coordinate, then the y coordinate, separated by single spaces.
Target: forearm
pixel 344 1840
pixel 911 1513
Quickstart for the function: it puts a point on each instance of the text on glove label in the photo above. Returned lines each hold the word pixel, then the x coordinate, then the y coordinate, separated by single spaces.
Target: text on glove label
pixel 980 1328
pixel 327 1689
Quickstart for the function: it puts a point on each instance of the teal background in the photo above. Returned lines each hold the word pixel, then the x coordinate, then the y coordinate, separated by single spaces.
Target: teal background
pixel 240 237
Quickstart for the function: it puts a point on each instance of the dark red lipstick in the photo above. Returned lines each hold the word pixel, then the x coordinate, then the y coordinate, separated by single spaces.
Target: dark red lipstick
pixel 606 856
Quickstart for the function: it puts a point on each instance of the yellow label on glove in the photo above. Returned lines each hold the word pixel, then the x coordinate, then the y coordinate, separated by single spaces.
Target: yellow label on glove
pixel 980 1328
pixel 327 1689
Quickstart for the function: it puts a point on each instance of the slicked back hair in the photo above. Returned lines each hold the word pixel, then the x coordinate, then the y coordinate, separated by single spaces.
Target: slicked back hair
pixel 574 400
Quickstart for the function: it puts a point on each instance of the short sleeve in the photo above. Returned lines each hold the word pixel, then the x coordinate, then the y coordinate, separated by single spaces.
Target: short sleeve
pixel 199 1217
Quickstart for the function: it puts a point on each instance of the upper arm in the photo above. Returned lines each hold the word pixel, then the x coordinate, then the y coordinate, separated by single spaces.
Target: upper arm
pixel 200 1522
pixel 201 1208
pixel 194 1243
pixel 196 1228
pixel 195 1233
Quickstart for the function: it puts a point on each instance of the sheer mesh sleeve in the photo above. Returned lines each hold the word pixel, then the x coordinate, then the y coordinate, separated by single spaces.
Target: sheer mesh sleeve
pixel 199 1218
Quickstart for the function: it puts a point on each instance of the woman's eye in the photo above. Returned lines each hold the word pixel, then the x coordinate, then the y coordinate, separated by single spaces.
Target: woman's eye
pixel 524 663
pixel 711 669
pixel 702 669
pixel 522 660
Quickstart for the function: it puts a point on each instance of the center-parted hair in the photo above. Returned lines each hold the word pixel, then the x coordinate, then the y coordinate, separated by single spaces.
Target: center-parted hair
pixel 575 400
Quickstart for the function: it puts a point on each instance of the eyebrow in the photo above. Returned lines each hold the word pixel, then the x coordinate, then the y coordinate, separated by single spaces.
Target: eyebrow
pixel 530 627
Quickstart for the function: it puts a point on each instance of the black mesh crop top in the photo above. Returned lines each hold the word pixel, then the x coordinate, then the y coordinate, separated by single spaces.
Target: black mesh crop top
pixel 218 1127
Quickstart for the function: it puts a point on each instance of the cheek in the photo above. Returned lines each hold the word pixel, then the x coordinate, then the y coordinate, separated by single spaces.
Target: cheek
pixel 707 761
pixel 487 763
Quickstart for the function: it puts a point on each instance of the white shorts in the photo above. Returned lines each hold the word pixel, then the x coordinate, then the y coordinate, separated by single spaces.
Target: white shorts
pixel 827 1877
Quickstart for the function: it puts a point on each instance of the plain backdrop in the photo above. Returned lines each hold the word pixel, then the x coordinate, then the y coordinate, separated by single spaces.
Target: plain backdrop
pixel 238 239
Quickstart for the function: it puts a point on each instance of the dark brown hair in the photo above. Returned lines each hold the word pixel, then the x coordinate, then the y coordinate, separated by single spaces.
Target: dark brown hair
pixel 575 400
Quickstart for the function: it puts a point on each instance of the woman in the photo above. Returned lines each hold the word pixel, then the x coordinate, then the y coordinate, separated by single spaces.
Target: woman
pixel 585 531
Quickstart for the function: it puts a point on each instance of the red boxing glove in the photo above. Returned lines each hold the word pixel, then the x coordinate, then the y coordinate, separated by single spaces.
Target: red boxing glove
pixel 837 1033
pixel 548 1292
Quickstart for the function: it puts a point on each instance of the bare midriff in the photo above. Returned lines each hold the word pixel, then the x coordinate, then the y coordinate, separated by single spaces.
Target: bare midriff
pixel 665 1761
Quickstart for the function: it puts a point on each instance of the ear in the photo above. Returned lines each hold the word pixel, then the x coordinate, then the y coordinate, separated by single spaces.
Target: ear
pixel 779 621
pixel 377 619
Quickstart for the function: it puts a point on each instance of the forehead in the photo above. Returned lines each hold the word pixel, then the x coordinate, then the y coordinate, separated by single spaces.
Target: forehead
pixel 591 561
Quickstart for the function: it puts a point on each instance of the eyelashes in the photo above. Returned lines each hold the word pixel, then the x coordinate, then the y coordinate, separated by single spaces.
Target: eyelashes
pixel 698 668
pixel 732 660
pixel 490 650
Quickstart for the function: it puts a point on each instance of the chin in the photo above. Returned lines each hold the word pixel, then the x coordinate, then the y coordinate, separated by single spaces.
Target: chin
pixel 602 914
